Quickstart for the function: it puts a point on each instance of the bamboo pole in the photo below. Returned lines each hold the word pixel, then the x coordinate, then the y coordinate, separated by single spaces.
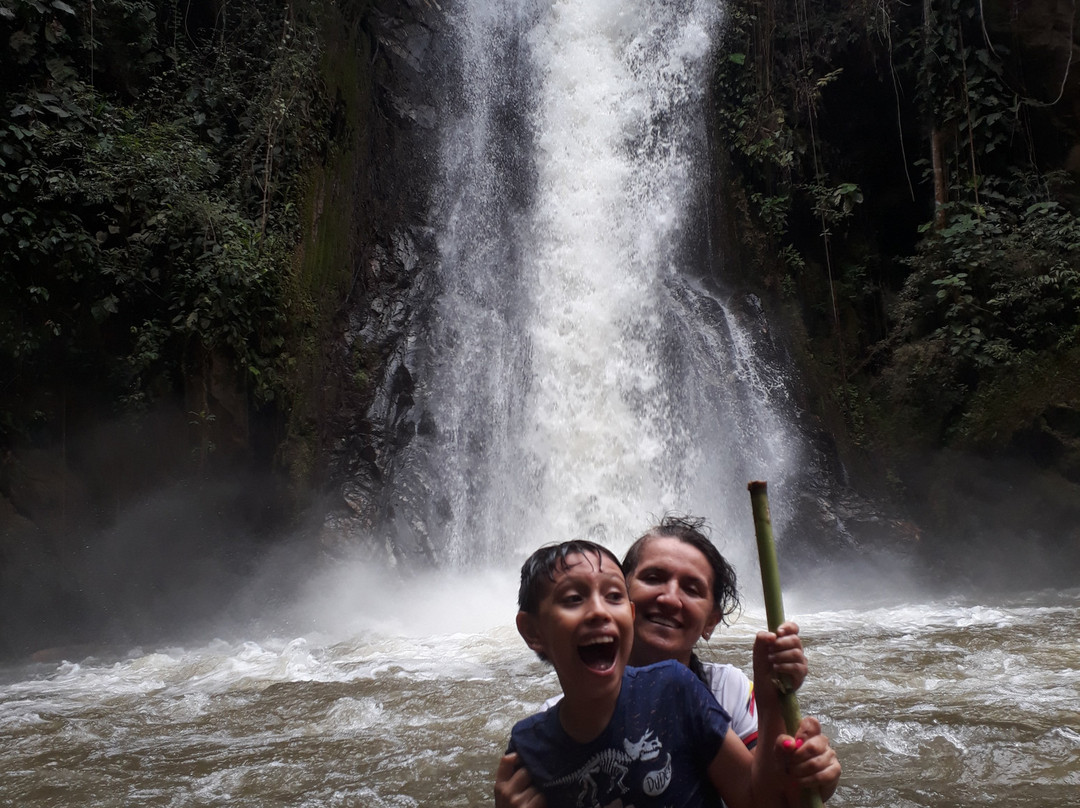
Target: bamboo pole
pixel 774 610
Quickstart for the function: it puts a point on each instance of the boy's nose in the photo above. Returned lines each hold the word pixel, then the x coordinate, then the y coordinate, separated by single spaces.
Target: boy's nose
pixel 598 608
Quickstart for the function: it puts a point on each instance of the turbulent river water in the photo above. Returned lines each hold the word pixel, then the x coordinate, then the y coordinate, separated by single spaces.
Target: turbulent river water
pixel 397 696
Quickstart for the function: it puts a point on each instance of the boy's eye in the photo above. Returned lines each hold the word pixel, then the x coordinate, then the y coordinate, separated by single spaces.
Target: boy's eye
pixel 571 599
pixel 616 596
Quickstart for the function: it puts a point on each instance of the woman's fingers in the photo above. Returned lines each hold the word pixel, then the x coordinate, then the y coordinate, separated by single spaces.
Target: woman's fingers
pixel 786 655
pixel 813 762
pixel 513 786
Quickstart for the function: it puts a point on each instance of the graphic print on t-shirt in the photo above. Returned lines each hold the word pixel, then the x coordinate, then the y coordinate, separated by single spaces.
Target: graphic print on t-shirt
pixel 603 776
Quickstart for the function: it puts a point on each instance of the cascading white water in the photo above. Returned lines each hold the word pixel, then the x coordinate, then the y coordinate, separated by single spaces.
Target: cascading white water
pixel 616 106
pixel 583 384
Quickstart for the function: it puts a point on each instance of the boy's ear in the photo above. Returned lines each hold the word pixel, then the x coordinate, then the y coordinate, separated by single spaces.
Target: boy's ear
pixel 529 630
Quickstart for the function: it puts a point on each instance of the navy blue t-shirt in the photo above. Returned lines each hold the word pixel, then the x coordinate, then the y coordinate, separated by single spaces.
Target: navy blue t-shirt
pixel 655 751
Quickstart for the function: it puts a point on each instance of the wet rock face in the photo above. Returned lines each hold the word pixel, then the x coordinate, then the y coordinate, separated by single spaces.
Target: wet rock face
pixel 1052 440
pixel 376 416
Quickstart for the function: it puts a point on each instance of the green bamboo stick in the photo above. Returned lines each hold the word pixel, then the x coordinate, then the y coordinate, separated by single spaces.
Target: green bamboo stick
pixel 774 610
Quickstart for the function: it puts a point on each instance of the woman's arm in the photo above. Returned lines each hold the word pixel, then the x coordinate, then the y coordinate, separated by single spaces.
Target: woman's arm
pixel 755 779
pixel 513 787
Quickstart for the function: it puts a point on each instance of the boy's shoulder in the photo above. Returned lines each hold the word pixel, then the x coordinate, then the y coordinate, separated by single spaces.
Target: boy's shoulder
pixel 547 717
pixel 649 677
pixel 669 670
pixel 668 682
pixel 645 673
pixel 657 683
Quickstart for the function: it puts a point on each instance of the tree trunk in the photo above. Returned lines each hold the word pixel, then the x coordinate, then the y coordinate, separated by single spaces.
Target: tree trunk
pixel 941 191
pixel 937 158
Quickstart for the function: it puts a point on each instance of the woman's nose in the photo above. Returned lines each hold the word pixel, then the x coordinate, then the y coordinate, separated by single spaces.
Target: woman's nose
pixel 669 593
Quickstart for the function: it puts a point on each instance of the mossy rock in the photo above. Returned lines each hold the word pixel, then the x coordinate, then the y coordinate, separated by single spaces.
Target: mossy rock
pixel 1032 411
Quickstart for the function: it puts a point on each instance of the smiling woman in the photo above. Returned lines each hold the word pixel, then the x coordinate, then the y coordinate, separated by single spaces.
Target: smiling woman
pixel 682 588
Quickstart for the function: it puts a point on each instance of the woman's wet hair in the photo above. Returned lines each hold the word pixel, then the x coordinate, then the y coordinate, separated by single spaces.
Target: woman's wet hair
pixel 549 559
pixel 692 530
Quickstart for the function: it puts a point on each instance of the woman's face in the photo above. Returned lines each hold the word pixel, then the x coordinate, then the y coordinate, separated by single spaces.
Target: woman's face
pixel 671 590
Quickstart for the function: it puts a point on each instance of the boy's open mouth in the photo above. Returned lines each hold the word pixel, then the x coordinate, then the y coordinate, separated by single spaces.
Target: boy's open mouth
pixel 599 654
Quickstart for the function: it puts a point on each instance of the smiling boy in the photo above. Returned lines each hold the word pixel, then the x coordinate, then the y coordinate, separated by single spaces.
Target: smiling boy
pixel 624 736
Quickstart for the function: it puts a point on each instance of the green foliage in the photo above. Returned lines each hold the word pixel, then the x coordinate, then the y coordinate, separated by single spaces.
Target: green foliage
pixel 997 284
pixel 769 91
pixel 834 204
pixel 150 168
pixel 964 94
pixel 990 286
pixel 1009 403
pixel 991 292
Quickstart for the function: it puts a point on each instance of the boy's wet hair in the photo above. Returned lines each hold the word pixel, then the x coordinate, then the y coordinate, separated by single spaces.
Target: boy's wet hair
pixel 692 530
pixel 547 561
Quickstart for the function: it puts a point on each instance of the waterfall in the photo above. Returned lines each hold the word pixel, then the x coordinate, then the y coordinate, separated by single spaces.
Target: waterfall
pixel 584 375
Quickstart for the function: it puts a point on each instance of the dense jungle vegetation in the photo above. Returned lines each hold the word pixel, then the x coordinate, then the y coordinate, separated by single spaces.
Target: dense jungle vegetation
pixel 900 173
pixel 154 162
pixel 913 166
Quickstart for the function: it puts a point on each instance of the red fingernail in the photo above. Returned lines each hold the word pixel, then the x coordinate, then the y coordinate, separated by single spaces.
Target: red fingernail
pixel 789 744
pixel 798 742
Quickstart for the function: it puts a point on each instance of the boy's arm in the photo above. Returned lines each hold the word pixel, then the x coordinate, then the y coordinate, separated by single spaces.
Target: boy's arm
pixel 745 778
pixel 731 772
pixel 805 761
pixel 810 760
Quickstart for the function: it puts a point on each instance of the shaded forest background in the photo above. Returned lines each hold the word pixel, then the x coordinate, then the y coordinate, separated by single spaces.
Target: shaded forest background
pixel 199 203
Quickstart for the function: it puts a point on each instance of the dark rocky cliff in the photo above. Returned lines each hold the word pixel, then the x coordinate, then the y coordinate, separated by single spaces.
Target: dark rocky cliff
pixel 122 529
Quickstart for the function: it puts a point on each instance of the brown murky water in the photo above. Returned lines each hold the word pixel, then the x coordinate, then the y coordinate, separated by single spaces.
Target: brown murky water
pixel 936 704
